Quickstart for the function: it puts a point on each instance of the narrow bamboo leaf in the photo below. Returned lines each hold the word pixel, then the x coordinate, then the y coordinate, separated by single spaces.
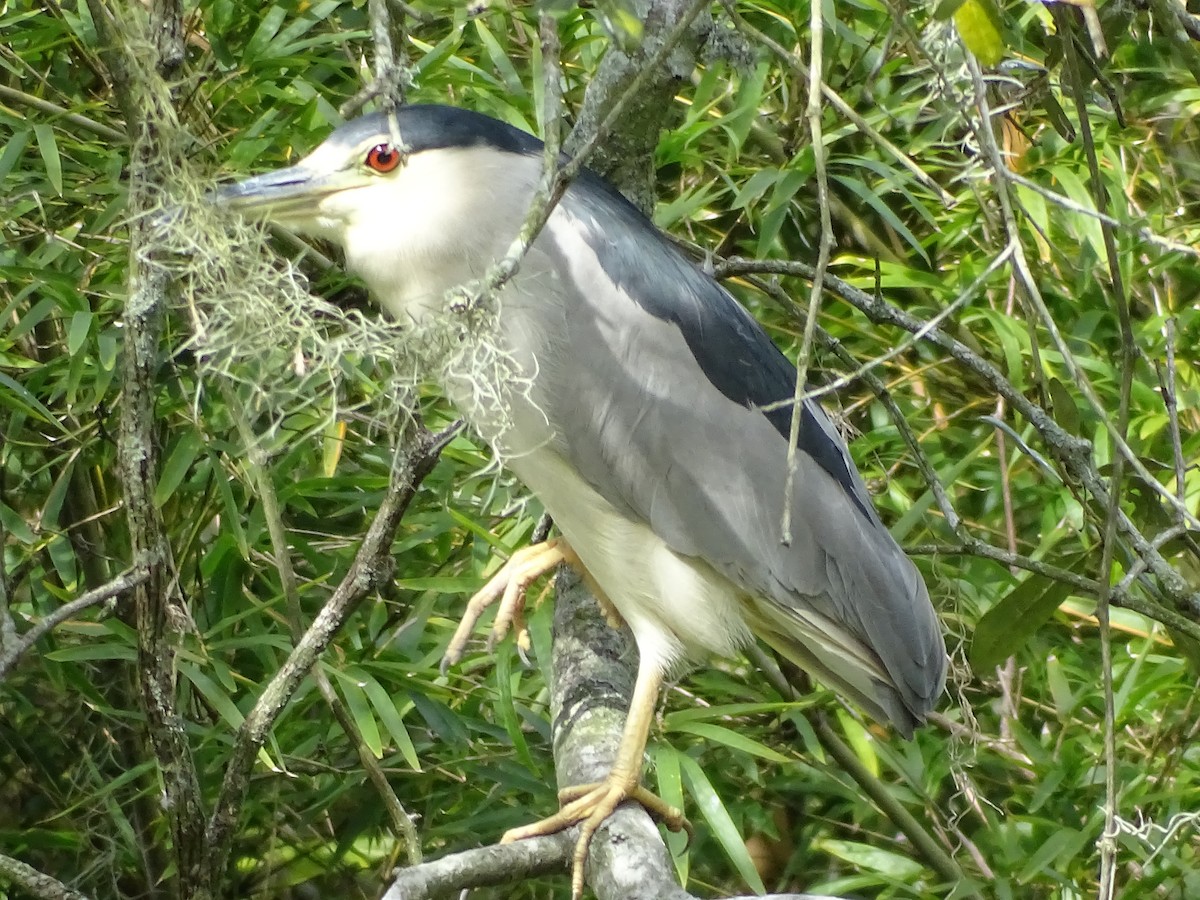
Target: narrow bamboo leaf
pixel 92 652
pixel 873 200
pixel 16 396
pixel 48 148
pixel 385 708
pixel 499 59
pixel 77 334
pixel 720 822
pixel 1014 619
pixel 719 734
pixel 670 790
pixel 333 443
pixel 506 708
pixel 1065 410
pixel 233 514
pixel 360 711
pixel 216 696
pixel 12 152
pixel 859 741
pixel 175 469
pixel 265 33
pixel 58 493
pixel 946 8
pixel 1062 844
pixel 446 584
pixel 723 711
pixel 864 856
pixel 15 525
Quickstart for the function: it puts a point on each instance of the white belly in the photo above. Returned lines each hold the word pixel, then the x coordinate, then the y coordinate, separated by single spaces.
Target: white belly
pixel 677 607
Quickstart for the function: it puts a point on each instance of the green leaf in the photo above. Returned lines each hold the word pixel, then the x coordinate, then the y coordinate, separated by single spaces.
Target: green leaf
pixel 719 734
pixel 360 710
pixel 865 856
pixel 720 821
pixel 12 152
pixel 81 326
pixel 1014 619
pixel 218 698
pixel 15 525
pixel 91 652
pixel 506 708
pixel 389 715
pixel 670 790
pixel 48 148
pixel 978 23
pixel 180 460
pixel 20 399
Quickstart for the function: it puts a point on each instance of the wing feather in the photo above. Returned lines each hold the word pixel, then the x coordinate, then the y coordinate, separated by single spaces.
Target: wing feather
pixel 660 400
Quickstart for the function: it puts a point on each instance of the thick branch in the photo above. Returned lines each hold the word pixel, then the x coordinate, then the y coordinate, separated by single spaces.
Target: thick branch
pixel 37 884
pixel 141 87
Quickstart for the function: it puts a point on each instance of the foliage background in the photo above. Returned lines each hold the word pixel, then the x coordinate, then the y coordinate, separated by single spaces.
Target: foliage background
pixel 1011 779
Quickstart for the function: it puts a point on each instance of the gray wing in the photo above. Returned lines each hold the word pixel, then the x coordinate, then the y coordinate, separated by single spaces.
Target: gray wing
pixel 662 414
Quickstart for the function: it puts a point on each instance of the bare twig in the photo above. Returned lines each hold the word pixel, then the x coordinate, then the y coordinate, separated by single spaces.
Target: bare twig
pixel 392 75
pixel 1107 842
pixel 12 95
pixel 521 860
pixel 122 584
pixel 816 28
pixel 142 89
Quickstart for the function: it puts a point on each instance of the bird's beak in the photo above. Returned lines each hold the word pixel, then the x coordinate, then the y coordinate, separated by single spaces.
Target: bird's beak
pixel 288 196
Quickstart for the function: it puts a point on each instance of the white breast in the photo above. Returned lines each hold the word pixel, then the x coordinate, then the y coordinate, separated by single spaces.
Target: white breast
pixel 676 607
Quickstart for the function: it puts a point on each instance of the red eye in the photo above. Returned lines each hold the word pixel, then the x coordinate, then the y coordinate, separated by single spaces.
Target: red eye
pixel 383 158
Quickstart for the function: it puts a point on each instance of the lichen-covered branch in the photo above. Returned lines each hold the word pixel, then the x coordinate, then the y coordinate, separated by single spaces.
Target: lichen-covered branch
pixel 35 883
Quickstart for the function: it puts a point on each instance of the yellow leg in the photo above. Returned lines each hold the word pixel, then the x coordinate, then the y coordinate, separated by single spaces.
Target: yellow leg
pixel 592 804
pixel 508 586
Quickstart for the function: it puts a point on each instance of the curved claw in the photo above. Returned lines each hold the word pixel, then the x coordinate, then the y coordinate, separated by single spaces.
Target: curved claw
pixel 508 586
pixel 590 805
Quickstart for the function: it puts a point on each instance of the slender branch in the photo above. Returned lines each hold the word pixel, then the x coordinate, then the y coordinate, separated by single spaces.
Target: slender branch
pixel 816 28
pixel 522 860
pixel 53 109
pixel 402 823
pixel 1107 842
pixel 122 584
pixel 484 867
pixel 371 567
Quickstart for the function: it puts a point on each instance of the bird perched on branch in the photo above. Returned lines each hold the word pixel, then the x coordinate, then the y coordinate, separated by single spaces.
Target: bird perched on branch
pixel 642 405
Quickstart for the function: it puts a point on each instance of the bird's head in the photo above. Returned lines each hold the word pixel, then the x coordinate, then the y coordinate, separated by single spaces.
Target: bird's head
pixel 420 200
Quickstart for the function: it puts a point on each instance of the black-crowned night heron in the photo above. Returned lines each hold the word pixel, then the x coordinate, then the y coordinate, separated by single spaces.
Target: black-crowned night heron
pixel 649 422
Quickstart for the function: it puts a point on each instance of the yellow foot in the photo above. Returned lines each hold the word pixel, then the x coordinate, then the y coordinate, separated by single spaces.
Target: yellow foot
pixel 508 586
pixel 591 804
